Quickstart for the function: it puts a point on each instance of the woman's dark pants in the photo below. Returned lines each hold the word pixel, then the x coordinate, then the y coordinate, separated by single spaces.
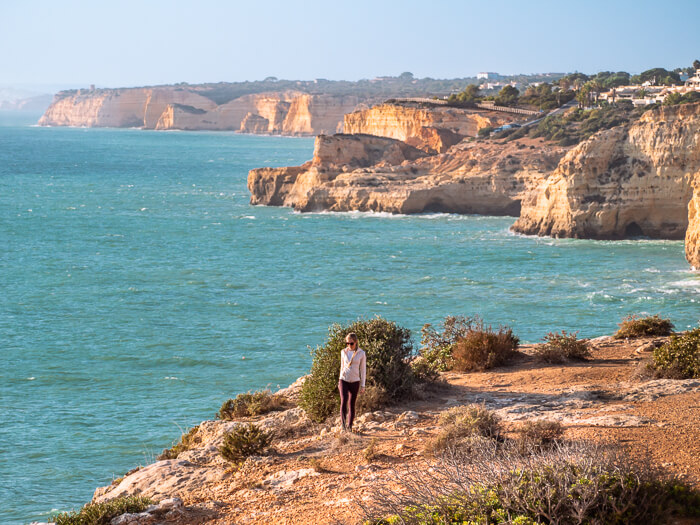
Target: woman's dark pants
pixel 348 396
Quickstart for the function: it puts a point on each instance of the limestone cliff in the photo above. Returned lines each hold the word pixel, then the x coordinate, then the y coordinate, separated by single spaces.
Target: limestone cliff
pixel 170 107
pixel 138 107
pixel 624 182
pixel 692 235
pixel 433 129
pixel 367 173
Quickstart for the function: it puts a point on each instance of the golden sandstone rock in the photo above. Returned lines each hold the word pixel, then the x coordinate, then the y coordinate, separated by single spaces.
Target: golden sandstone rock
pixel 173 107
pixel 632 180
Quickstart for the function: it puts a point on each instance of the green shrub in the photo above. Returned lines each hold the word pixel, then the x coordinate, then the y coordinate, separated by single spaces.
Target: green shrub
pixel 485 131
pixel 243 442
pixel 254 404
pixel 482 347
pixel 679 358
pixel 187 439
pixel 558 348
pixel 633 326
pixel 436 347
pixel 388 348
pixel 102 513
pixel 459 425
pixel 575 484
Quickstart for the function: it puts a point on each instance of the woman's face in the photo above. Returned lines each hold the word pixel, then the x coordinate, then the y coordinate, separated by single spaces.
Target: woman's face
pixel 350 344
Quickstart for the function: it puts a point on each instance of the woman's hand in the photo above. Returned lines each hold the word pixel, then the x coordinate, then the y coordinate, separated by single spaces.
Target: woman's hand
pixel 362 390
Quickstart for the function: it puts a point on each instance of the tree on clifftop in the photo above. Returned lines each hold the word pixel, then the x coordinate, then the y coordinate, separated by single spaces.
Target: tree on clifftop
pixel 696 64
pixel 657 76
pixel 507 96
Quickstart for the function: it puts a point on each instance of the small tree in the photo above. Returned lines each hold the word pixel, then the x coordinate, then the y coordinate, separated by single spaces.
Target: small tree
pixel 508 96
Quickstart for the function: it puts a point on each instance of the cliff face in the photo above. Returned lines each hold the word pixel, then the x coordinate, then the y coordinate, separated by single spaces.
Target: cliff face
pixel 287 112
pixel 629 181
pixel 623 182
pixel 366 173
pixel 140 107
pixel 433 129
pixel 692 235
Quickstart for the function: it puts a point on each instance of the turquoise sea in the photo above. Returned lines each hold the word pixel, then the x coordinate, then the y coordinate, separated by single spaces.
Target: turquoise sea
pixel 140 290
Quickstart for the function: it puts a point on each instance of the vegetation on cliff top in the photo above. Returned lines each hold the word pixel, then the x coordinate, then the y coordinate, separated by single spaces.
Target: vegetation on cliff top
pixel 505 483
pixel 576 125
pixel 389 374
pixel 102 513
pixel 635 326
pixel 679 358
pixel 466 344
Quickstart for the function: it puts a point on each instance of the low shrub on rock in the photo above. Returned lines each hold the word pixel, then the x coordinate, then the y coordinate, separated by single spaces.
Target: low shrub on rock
pixel 243 442
pixel 633 326
pixel 679 358
pixel 482 347
pixel 102 513
pixel 389 374
pixel 573 483
pixel 558 348
pixel 459 425
pixel 187 440
pixel 247 404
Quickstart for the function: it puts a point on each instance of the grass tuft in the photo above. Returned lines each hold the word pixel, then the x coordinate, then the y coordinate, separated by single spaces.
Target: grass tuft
pixel 187 440
pixel 252 404
pixel 102 513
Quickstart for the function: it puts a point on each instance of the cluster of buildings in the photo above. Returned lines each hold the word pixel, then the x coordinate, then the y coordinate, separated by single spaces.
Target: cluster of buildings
pixel 648 93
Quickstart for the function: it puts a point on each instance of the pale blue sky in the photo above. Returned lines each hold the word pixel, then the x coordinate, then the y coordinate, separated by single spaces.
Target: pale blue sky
pixel 129 42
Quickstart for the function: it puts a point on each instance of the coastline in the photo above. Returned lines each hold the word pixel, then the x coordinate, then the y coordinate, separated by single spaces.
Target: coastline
pixel 601 400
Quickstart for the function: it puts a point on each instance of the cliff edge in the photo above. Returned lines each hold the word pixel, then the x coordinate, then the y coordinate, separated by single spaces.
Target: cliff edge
pixel 319 474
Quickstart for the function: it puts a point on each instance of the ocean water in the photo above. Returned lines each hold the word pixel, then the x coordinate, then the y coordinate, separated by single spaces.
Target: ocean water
pixel 140 290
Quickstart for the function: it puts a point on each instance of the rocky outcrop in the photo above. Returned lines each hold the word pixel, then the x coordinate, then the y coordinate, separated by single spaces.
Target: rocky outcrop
pixel 170 107
pixel 366 173
pixel 624 182
pixel 433 129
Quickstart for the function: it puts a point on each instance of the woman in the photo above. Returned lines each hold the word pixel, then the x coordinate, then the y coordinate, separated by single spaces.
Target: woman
pixel 353 371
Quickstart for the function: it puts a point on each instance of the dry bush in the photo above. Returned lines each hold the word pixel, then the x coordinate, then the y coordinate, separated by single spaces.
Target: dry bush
pixel 247 405
pixel 370 453
pixel 633 326
pixel 540 434
pixel 243 442
pixel 436 347
pixel 558 348
pixel 187 440
pixel 374 398
pixel 571 483
pixel 482 348
pixel 459 425
pixel 316 464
